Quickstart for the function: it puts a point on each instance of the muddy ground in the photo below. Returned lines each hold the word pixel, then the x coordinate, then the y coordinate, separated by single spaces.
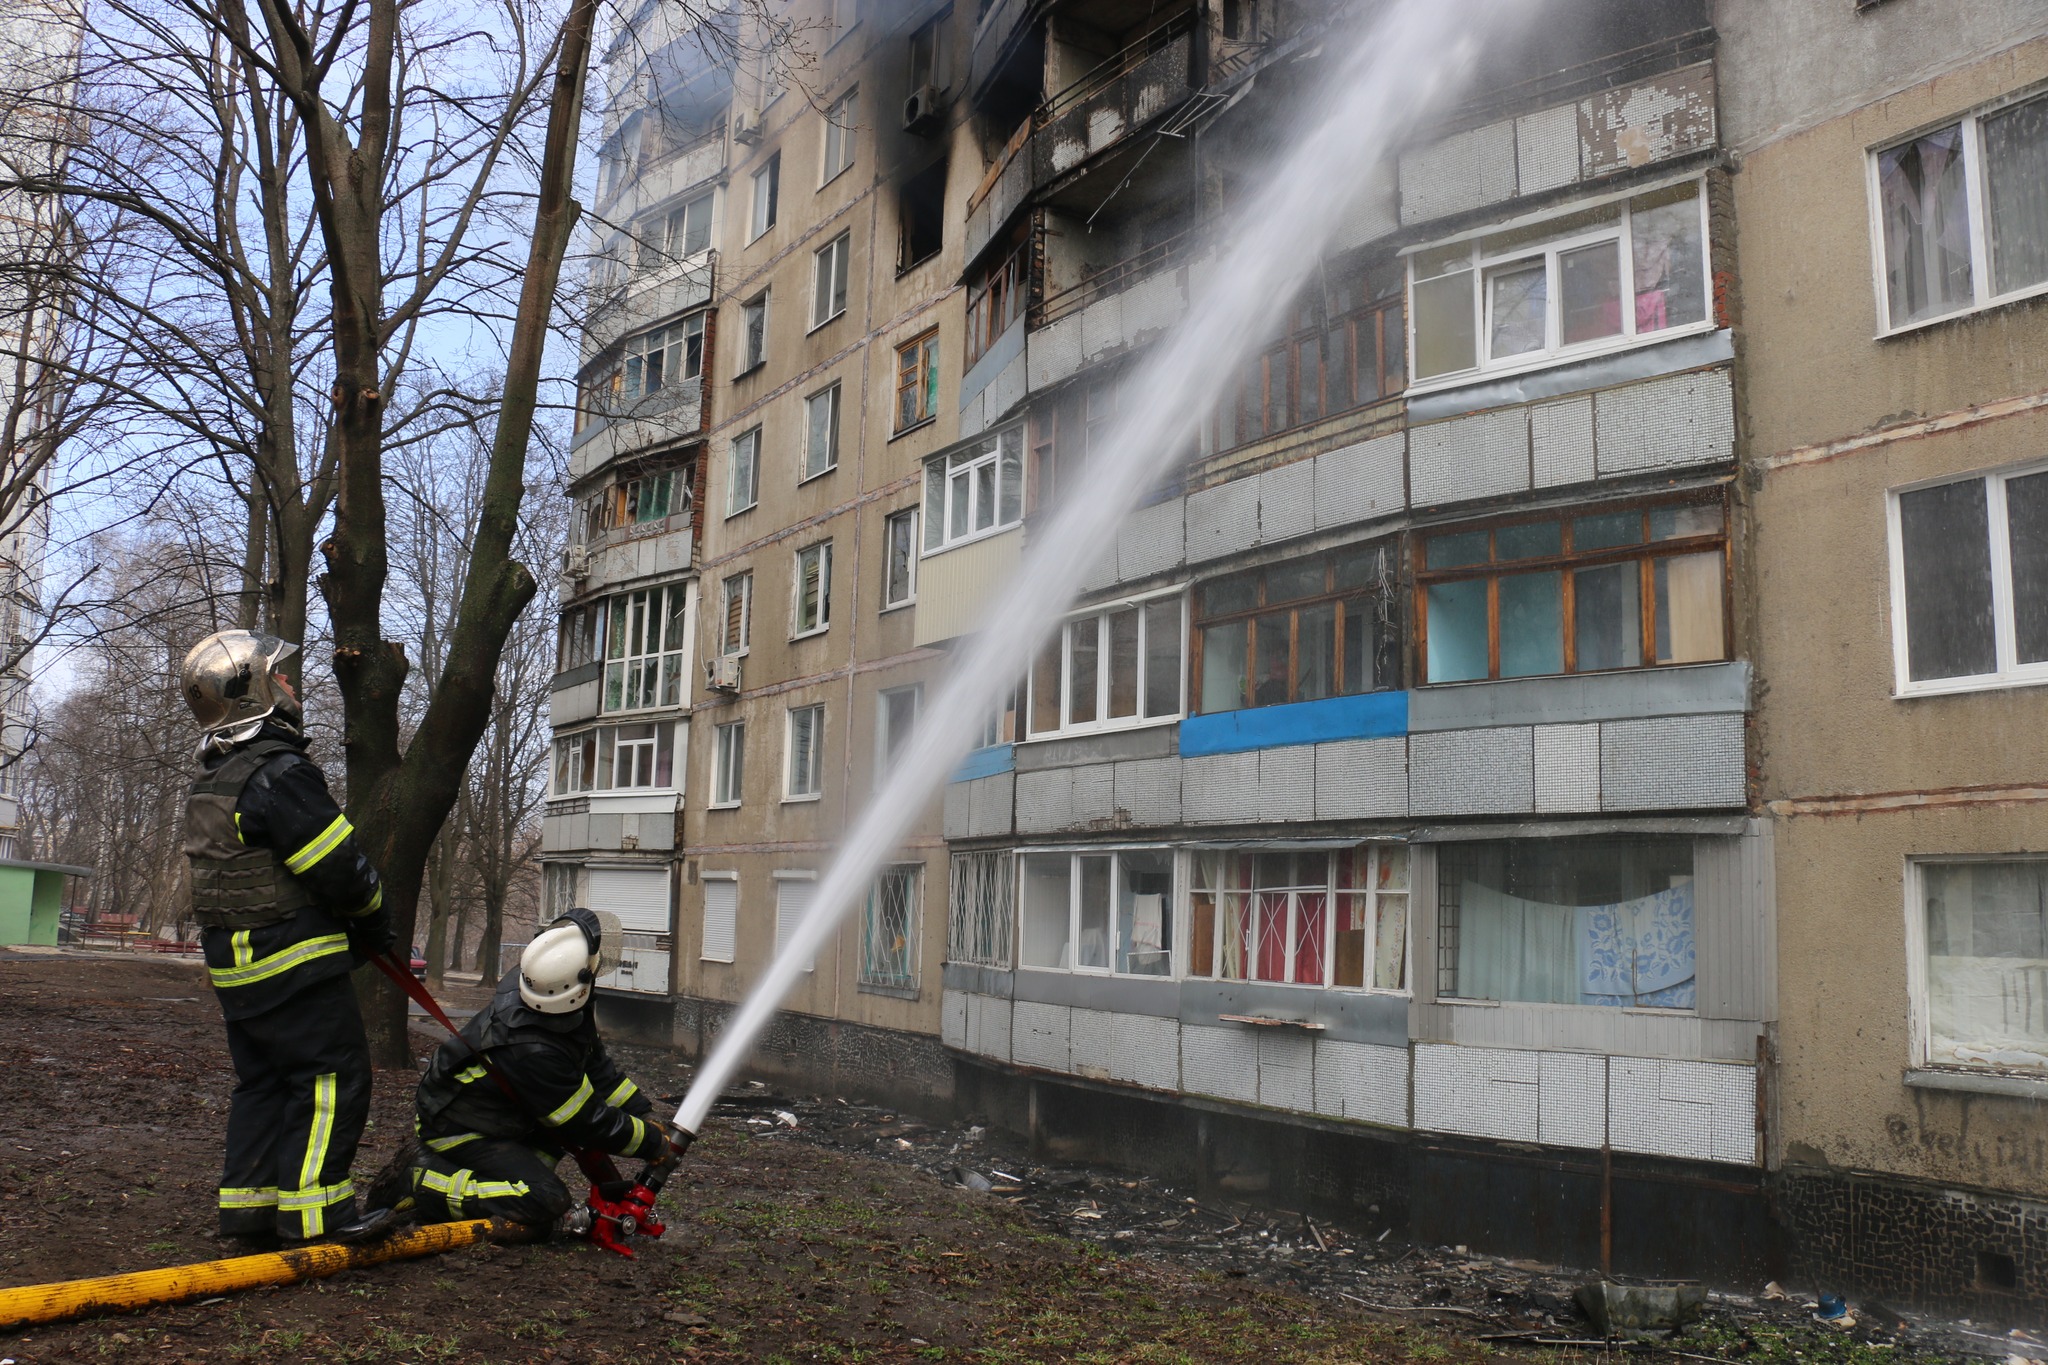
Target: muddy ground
pixel 800 1229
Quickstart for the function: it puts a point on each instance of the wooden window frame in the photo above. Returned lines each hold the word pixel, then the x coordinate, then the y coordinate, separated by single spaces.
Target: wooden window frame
pixel 1307 325
pixel 1645 551
pixel 1199 622
pixel 917 381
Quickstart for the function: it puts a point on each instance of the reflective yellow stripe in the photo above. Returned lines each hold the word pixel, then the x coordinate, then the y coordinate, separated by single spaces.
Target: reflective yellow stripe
pixel 639 1134
pixel 450 1143
pixel 317 1138
pixel 497 1189
pixel 570 1106
pixel 471 1073
pixel 623 1091
pixel 376 904
pixel 315 1197
pixel 244 953
pixel 238 829
pixel 262 969
pixel 321 845
pixel 248 1198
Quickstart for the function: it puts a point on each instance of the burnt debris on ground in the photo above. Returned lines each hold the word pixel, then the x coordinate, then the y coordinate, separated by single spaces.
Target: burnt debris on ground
pixel 1495 1299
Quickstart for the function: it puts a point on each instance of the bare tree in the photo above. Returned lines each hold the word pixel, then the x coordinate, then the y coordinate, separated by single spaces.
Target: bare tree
pixel 320 196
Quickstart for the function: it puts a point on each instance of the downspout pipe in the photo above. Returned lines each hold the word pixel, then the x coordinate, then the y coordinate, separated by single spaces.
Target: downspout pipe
pixel 68 1299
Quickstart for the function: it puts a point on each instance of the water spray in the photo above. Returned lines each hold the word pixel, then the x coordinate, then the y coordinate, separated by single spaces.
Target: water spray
pixel 1385 76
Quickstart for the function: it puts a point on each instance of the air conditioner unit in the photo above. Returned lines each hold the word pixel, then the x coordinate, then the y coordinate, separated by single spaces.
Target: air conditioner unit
pixel 576 563
pixel 746 128
pixel 722 673
pixel 922 110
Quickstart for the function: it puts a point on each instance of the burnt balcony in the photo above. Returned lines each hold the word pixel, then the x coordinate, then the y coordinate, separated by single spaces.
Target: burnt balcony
pixel 1091 132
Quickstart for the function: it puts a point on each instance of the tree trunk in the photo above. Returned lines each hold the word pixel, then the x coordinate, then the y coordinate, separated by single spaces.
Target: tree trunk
pixel 437 934
pixel 494 933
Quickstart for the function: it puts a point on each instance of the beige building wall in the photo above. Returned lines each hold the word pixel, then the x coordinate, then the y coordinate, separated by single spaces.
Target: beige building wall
pixel 866 648
pixel 1837 414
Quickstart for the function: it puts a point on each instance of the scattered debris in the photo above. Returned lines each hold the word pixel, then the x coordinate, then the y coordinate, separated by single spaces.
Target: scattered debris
pixel 1637 1312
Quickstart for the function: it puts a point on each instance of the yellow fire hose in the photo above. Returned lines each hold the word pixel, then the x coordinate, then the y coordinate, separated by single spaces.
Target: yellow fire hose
pixel 69 1299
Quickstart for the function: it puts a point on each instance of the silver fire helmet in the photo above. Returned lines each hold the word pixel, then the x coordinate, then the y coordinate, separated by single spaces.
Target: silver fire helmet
pixel 228 683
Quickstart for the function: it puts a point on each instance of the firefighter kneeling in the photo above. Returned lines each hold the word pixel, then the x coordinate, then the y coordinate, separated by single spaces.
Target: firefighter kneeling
pixel 527 1079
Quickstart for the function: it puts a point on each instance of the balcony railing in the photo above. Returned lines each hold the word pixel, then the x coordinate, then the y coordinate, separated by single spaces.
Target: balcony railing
pixel 1115 278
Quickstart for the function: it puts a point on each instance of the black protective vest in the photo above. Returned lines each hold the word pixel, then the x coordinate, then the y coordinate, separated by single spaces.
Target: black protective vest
pixel 235 886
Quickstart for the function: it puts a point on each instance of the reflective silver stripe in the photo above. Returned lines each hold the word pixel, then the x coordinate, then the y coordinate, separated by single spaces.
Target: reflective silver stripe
pixel 264 1198
pixel 623 1091
pixel 315 1196
pixel 445 1144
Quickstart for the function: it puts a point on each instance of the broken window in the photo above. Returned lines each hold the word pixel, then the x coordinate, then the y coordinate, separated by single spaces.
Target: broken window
pixel 743 472
pixel 647 497
pixel 689 227
pixel 828 280
pixel 921 216
pixel 813 606
pixel 644 649
pixel 576 639
pixel 841 122
pixel 1325 626
pixel 1964 213
pixel 1640 585
pixel 1595 278
pixel 735 613
pixel 1099 911
pixel 1066 433
pixel 1344 348
pixel 888 929
pixel 804 777
pixel 753 332
pixel 975 491
pixel 917 381
pixel 1984 983
pixel 1592 921
pixel 1311 917
pixel 896 711
pixel 821 433
pixel 899 558
pixel 1113 668
pixel 767 189
pixel 1972 581
pixel 978 921
pixel 995 301
pixel 927 53
pixel 728 762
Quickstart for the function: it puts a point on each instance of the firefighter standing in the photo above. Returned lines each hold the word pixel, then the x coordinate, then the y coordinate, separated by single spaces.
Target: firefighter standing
pixel 287 906
pixel 527 1079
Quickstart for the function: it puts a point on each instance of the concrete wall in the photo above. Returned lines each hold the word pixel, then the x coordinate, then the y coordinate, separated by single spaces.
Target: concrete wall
pixel 1874 1169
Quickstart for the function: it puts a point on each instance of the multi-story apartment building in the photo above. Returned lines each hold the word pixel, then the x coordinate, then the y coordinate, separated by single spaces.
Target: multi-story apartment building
pixel 1397 822
pixel 626 668
pixel 1893 211
pixel 1376 831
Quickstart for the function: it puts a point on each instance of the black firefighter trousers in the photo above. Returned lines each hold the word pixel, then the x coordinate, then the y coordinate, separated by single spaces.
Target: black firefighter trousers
pixel 484 1177
pixel 301 1097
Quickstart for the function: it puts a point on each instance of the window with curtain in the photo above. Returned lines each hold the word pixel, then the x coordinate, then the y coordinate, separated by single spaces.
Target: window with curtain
pixel 1604 921
pixel 888 929
pixel 1641 586
pixel 1312 917
pixel 1597 278
pixel 1983 979
pixel 1107 911
pixel 1954 240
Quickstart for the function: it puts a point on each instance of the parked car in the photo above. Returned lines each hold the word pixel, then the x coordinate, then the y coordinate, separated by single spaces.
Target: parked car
pixel 419 964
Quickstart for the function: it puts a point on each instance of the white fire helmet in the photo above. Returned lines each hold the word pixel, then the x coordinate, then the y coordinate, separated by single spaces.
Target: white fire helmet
pixel 564 960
